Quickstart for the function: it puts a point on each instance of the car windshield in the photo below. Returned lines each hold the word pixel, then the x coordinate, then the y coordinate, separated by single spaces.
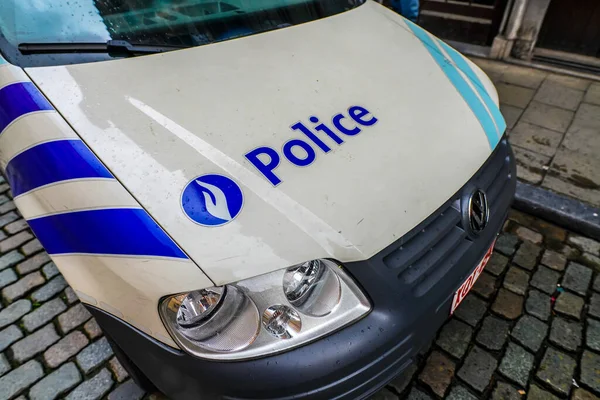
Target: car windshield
pixel 47 26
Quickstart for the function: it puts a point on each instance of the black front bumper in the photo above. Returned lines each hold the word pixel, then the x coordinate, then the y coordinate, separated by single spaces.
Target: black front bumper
pixel 411 286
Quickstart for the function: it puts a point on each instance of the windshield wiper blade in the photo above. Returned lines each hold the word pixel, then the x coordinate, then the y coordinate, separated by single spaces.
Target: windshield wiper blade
pixel 112 46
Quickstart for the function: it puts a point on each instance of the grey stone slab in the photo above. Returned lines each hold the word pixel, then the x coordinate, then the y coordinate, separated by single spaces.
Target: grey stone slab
pixel 529 235
pixel 538 304
pixel 493 333
pixel 33 263
pixel 8 218
pixel 32 247
pixel 516 364
pixel 14 241
pixel 592 95
pixel 527 255
pixel 504 391
pixel 516 280
pixel 555 94
pixel 65 348
pixel 74 317
pixel 10 259
pixel 566 334
pixel 557 369
pixel 478 369
pixel 570 81
pixel 535 138
pixel 587 116
pixel 471 310
pixel 583 140
pixel 14 311
pixel 577 278
pixel 9 335
pixel 4 365
pixel 545 279
pixel 437 373
pixel 581 394
pixel 511 114
pixel 56 383
pixel 93 388
pixel 591 261
pixel 554 260
pixel 590 370
pixel 497 263
pixel 94 355
pixel 416 394
pixel 547 116
pixel 460 393
pixel 594 308
pixel 43 314
pixel 7 277
pixel 513 95
pixel 508 304
pixel 19 379
pixel 50 270
pixel 34 343
pixel 92 329
pixel 22 286
pixel 530 165
pixel 569 304
pixel 127 391
pixel 485 286
pixel 527 77
pixel 597 283
pixel 383 394
pixel 536 393
pixel 455 337
pixel 592 335
pixel 50 289
pixel 400 383
pixel 530 332
pixel 70 296
pixel 16 226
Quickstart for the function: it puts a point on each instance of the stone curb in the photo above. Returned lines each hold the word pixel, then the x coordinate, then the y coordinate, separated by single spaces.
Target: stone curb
pixel 561 210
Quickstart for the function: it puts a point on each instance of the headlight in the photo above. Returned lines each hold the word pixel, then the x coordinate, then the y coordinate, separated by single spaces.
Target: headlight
pixel 266 314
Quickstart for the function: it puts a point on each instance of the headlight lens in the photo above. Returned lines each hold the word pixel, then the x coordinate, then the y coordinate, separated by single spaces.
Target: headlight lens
pixel 265 314
pixel 312 287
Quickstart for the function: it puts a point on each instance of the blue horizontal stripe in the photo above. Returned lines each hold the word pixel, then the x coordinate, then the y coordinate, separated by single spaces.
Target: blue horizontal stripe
pixel 19 99
pixel 123 231
pixel 53 162
pixel 460 84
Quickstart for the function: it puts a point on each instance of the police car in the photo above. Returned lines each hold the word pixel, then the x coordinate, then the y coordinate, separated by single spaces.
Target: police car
pixel 254 198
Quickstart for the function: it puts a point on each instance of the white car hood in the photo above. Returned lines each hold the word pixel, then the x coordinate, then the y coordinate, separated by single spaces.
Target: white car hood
pixel 159 121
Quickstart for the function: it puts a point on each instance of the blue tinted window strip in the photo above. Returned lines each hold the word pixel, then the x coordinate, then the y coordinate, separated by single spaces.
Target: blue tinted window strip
pixel 462 64
pixel 460 84
pixel 18 99
pixel 53 162
pixel 121 231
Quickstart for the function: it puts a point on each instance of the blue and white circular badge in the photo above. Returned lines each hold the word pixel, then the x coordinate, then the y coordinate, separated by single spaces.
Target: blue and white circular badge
pixel 212 200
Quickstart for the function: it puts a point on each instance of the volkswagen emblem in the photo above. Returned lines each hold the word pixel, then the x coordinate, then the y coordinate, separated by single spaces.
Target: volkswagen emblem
pixel 479 212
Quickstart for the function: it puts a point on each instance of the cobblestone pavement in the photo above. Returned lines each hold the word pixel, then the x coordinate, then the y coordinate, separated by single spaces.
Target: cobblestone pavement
pixel 554 127
pixel 530 328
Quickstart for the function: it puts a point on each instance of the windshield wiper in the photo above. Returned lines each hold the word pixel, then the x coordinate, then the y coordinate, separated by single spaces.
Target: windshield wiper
pixel 111 47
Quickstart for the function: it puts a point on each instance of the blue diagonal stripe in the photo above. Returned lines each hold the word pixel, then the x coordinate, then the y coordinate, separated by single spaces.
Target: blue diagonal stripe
pixel 460 84
pixel 464 66
pixel 53 162
pixel 123 231
pixel 19 99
